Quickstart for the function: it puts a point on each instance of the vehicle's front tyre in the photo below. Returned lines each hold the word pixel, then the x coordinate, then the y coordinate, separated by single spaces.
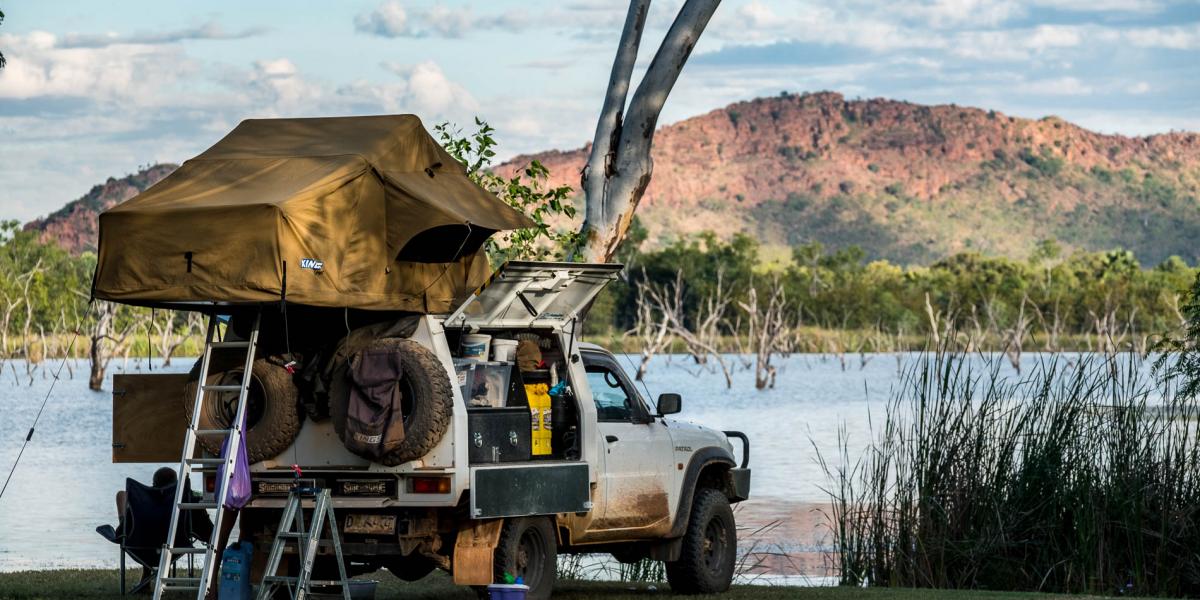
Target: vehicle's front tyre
pixel 528 549
pixel 706 561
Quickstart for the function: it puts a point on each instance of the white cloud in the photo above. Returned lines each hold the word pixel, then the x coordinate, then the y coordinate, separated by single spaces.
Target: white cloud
pixel 1174 38
pixel 138 74
pixel 391 20
pixel 1127 6
pixel 387 20
pixel 427 91
pixel 207 31
pixel 955 13
pixel 1140 87
pixel 449 22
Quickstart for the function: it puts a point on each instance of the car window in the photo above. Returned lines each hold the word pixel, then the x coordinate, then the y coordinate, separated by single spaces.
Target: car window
pixel 613 401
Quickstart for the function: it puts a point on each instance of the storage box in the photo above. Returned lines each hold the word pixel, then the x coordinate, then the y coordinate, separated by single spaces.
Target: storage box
pixel 498 435
pixel 483 383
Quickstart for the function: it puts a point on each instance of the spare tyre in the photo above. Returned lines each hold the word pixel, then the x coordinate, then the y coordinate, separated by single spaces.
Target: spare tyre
pixel 426 400
pixel 272 410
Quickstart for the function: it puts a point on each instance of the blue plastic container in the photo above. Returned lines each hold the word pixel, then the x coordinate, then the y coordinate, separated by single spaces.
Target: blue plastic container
pixel 507 591
pixel 235 572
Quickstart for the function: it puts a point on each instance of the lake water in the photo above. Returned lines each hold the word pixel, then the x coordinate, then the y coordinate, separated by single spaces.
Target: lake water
pixel 65 483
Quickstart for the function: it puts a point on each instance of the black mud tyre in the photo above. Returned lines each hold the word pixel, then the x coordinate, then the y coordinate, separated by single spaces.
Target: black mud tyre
pixel 528 549
pixel 272 414
pixel 706 562
pixel 410 568
pixel 426 400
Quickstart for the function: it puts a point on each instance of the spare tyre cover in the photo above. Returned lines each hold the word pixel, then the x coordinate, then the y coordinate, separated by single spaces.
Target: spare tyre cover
pixel 426 399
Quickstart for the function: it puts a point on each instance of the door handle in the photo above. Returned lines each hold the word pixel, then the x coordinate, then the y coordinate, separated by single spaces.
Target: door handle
pixel 610 438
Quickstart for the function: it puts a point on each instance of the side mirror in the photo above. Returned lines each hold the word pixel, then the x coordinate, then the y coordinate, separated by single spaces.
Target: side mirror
pixel 669 404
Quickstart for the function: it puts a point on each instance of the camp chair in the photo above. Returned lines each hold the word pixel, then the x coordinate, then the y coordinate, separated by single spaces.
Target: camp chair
pixel 142 530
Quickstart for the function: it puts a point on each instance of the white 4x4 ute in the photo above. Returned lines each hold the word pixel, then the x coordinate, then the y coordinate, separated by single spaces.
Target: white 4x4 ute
pixel 509 478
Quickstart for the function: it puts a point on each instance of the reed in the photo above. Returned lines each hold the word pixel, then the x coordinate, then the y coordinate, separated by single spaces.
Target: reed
pixel 1081 475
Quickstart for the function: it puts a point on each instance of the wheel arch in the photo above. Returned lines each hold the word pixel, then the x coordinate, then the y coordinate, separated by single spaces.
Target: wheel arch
pixel 709 467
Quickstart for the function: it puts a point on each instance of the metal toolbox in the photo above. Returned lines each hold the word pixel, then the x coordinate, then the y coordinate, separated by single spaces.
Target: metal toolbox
pixel 498 435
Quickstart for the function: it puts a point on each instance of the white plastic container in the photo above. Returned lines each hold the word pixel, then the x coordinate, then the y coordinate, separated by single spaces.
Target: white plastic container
pixel 475 346
pixel 504 350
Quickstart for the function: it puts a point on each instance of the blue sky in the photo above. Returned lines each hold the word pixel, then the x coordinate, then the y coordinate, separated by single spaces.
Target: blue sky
pixel 97 89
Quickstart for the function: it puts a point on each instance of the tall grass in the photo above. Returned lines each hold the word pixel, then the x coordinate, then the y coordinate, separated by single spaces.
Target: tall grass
pixel 1082 475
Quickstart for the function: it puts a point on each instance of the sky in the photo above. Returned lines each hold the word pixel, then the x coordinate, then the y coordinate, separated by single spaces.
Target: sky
pixel 99 89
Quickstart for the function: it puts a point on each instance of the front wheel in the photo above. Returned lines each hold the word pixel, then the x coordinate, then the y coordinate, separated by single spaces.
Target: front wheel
pixel 705 564
pixel 528 549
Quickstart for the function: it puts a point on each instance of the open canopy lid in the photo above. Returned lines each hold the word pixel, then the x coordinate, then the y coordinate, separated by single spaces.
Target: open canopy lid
pixel 534 294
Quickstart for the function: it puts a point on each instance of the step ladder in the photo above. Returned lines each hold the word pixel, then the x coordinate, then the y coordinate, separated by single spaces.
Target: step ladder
pixel 188 464
pixel 291 527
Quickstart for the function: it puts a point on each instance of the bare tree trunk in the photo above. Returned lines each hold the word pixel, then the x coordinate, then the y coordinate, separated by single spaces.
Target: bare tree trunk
pixel 767 327
pixel 106 342
pixel 98 355
pixel 651 329
pixel 620 166
pixel 669 302
pixel 169 337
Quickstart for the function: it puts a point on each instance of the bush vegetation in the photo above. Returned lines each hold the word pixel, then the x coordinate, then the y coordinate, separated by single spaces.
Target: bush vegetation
pixel 1101 300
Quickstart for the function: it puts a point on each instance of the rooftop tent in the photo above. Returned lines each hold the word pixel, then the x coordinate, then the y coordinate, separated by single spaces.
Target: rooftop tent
pixel 358 212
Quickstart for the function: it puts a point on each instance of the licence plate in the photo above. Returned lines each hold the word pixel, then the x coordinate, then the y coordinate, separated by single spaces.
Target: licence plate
pixel 371 524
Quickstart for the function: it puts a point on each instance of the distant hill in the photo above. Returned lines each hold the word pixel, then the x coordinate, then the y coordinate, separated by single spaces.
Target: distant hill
pixel 914 183
pixel 74 225
pixel 907 182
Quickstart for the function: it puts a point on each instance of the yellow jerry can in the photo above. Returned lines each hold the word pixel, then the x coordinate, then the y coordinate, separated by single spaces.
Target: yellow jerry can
pixel 540 421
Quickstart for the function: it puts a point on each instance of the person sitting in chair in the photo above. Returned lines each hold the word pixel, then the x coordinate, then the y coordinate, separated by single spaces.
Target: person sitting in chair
pixel 143 518
pixel 163 477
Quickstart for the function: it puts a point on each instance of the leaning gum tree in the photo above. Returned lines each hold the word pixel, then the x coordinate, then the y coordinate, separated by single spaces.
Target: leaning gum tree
pixel 619 167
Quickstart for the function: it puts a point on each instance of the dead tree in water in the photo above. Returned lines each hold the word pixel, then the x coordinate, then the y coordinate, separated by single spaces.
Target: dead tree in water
pixel 106 341
pixel 170 338
pixel 767 327
pixel 701 342
pixel 652 329
pixel 1015 337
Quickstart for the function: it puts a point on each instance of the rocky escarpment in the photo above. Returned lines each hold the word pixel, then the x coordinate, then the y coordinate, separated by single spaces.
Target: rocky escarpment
pixel 913 182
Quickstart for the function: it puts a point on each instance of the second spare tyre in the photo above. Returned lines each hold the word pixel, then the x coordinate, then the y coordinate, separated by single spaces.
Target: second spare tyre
pixel 272 405
pixel 423 393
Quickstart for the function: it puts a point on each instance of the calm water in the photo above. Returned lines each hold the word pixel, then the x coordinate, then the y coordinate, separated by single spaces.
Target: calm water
pixel 65 483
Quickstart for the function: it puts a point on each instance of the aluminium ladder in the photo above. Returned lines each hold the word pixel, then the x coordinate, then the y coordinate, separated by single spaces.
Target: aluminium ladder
pixel 188 464
pixel 291 527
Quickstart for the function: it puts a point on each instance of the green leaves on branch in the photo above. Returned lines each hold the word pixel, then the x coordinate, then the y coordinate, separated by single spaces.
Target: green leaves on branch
pixel 526 190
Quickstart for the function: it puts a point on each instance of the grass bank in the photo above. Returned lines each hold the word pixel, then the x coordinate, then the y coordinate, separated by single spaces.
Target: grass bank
pixel 102 585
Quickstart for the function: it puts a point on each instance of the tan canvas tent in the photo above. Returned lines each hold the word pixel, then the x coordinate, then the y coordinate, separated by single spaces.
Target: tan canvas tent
pixel 359 212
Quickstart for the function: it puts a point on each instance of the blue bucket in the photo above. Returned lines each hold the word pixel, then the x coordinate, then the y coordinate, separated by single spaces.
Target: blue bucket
pixel 507 591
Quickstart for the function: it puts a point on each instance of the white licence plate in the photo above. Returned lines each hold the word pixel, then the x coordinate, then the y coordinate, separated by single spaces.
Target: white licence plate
pixel 370 524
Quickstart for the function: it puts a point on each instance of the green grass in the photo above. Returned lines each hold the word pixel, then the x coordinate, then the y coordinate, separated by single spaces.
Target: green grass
pixel 31 585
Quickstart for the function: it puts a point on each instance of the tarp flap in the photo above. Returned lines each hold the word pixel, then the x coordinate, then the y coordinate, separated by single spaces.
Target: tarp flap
pixel 339 208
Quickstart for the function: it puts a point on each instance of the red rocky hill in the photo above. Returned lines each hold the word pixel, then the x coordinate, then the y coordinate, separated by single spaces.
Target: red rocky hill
pixel 911 182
